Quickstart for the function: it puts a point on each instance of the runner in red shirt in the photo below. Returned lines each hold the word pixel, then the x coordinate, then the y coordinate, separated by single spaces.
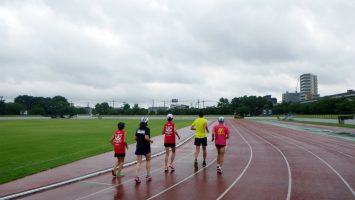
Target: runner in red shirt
pixel 220 135
pixel 169 132
pixel 118 140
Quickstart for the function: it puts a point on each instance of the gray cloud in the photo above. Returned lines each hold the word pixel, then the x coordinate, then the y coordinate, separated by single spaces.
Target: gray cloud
pixel 137 51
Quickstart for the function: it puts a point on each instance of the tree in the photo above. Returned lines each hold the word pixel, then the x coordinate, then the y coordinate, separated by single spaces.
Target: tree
pixel 102 109
pixel 27 101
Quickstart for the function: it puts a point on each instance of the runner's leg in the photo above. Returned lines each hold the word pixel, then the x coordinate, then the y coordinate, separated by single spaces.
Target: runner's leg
pixel 222 150
pixel 138 165
pixel 148 158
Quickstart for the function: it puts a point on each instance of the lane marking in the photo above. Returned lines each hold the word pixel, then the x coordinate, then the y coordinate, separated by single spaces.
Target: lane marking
pixel 325 162
pixel 320 145
pixel 342 142
pixel 95 183
pixel 288 165
pixel 54 185
pixel 245 168
pixel 132 179
pixel 178 183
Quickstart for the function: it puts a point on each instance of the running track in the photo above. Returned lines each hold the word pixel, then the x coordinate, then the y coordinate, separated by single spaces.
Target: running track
pixel 261 162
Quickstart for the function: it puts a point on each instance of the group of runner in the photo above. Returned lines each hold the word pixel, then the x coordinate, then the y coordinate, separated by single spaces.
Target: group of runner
pixel 142 136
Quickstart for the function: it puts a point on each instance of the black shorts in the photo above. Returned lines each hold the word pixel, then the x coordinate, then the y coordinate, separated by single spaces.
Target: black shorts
pixel 201 141
pixel 172 145
pixel 220 146
pixel 120 155
pixel 142 152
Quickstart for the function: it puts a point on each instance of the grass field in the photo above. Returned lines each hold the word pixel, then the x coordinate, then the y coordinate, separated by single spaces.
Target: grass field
pixel 31 146
pixel 318 116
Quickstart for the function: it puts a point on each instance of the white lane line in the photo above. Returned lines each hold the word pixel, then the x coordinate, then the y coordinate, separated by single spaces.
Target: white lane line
pixel 132 179
pixel 245 168
pixel 288 166
pixel 325 162
pixel 51 186
pixel 321 145
pixel 95 183
pixel 178 183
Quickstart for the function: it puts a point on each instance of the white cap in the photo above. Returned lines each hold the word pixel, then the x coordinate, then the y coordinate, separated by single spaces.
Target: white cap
pixel 170 116
pixel 221 119
pixel 144 119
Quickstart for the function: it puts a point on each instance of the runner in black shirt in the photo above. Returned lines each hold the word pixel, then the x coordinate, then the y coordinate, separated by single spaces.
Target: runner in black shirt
pixel 143 148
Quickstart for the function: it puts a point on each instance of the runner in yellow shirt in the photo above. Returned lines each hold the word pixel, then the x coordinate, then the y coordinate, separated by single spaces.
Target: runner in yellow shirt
pixel 200 125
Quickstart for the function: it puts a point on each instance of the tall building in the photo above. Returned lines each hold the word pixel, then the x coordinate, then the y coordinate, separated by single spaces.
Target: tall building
pixel 309 87
pixel 291 97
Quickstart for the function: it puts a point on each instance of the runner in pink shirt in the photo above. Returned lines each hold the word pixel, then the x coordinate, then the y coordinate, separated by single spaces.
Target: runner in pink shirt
pixel 220 135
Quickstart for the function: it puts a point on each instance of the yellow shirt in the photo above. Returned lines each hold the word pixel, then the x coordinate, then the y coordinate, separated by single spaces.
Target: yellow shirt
pixel 199 124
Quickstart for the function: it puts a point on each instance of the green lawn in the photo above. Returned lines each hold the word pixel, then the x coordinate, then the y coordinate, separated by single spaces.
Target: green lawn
pixel 317 116
pixel 31 146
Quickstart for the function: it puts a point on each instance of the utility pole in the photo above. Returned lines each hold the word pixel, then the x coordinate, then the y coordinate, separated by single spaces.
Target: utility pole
pixel 203 103
pixel 1 97
pixel 198 103
pixel 113 104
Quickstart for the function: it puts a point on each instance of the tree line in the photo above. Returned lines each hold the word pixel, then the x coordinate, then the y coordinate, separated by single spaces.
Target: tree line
pixel 59 106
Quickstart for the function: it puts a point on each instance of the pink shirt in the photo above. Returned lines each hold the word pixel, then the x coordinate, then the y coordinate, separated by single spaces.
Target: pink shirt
pixel 221 133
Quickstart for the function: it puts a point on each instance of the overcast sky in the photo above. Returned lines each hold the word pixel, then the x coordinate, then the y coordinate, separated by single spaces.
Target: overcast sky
pixel 139 50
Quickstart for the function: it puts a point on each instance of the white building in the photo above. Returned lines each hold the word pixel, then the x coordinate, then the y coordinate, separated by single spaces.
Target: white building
pixel 309 87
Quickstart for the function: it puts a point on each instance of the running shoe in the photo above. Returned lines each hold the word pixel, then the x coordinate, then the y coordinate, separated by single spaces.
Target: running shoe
pixel 195 163
pixel 172 167
pixel 137 179
pixel 166 169
pixel 219 170
pixel 120 174
pixel 148 178
pixel 113 173
pixel 204 164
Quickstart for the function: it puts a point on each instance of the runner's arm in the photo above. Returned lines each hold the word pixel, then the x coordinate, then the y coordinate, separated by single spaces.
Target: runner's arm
pixel 146 137
pixel 176 133
pixel 111 140
pixel 213 132
pixel 206 127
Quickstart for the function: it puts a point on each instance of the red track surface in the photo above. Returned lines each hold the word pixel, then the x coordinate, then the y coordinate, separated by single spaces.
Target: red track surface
pixel 261 162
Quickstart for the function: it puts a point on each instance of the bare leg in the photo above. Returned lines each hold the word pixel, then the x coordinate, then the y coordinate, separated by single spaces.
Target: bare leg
pixel 218 156
pixel 172 155
pixel 204 152
pixel 138 165
pixel 120 165
pixel 197 151
pixel 147 166
pixel 166 157
pixel 222 150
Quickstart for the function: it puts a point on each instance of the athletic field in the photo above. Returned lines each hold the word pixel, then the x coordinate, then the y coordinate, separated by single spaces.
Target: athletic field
pixel 30 146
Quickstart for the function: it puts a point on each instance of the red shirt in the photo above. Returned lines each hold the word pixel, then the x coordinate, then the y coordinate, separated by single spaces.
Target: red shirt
pixel 221 132
pixel 169 132
pixel 119 141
